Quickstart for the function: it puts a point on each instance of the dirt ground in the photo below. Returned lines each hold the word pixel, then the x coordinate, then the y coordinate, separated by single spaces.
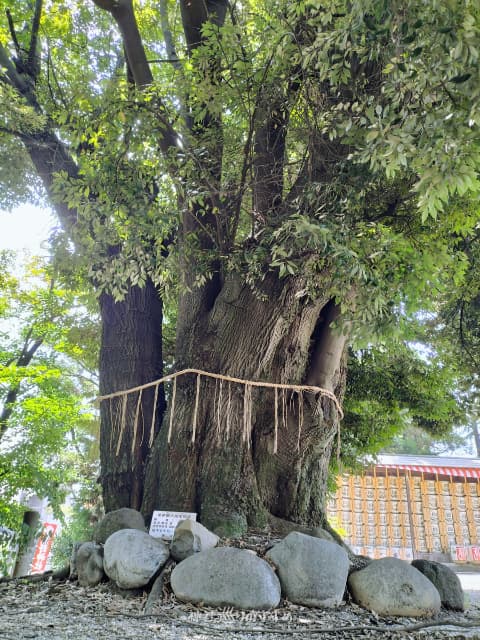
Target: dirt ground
pixel 60 610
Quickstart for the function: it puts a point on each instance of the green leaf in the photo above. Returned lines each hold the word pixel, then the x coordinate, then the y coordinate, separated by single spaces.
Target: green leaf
pixel 461 78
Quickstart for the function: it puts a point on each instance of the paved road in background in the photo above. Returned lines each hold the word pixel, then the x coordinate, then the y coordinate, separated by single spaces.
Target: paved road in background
pixel 469 576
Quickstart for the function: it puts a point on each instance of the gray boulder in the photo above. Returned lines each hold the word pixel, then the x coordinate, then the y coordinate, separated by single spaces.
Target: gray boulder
pixel 226 577
pixel 319 532
pixel 191 537
pixel 132 557
pixel 115 521
pixel 73 560
pixel 312 571
pixel 392 587
pixel 445 580
pixel 89 564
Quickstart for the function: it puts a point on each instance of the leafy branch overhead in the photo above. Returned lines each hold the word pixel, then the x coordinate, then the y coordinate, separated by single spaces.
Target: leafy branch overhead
pixel 366 115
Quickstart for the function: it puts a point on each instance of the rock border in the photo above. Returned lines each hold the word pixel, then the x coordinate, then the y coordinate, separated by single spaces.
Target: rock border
pixel 304 557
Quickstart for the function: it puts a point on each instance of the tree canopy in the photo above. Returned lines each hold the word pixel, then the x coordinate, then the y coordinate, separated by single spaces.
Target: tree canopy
pixel 377 109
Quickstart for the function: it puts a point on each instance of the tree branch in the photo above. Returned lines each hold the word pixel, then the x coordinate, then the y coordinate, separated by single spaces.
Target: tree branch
pixel 33 59
pixel 269 156
pixel 23 360
pixel 51 157
pixel 274 104
pixel 15 78
pixel 124 15
pixel 329 344
pixel 173 58
pixel 167 36
pixel 47 152
pixel 7 411
pixel 13 32
pixel 206 129
pixel 195 13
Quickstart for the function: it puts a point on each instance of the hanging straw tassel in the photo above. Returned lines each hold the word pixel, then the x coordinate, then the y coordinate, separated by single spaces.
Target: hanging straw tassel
pixel 195 411
pixel 135 421
pixel 219 415
pixel 215 409
pixel 172 410
pixel 118 418
pixel 247 414
pixel 284 408
pixel 113 421
pixel 229 407
pixel 143 425
pixel 215 396
pixel 245 402
pixel 123 420
pixel 300 417
pixel 339 442
pixel 275 437
pixel 154 413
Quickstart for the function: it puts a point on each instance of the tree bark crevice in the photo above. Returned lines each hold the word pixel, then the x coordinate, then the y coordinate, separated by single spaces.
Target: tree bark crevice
pixel 328 345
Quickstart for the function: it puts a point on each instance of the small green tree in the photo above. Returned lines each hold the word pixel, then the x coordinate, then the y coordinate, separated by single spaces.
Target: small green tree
pixel 397 391
pixel 80 517
pixel 45 378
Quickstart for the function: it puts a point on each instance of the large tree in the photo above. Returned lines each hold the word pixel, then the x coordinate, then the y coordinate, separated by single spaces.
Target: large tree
pixel 278 174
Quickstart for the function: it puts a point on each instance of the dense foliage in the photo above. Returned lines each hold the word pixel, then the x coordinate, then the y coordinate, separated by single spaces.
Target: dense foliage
pixel 402 395
pixel 46 348
pixel 388 93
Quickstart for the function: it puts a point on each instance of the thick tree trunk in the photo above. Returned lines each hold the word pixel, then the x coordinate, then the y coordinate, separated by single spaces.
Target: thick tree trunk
pixel 231 481
pixel 130 355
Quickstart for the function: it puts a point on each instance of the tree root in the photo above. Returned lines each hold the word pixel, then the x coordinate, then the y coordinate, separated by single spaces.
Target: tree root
pixel 58 574
pixel 157 587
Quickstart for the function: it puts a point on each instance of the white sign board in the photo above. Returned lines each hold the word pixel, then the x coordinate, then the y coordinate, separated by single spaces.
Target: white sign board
pixel 164 522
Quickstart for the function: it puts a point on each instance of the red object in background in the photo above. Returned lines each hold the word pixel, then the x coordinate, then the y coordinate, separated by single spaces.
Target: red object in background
pixel 475 551
pixel 455 472
pixel 460 554
pixel 42 550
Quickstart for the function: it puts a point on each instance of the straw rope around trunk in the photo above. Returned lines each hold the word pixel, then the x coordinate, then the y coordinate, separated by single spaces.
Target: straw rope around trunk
pixel 280 411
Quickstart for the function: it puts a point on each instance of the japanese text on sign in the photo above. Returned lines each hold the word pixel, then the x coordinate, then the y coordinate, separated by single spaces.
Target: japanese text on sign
pixel 164 522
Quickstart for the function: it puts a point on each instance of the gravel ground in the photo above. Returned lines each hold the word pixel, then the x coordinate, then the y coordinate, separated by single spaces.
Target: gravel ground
pixel 49 610
pixel 60 610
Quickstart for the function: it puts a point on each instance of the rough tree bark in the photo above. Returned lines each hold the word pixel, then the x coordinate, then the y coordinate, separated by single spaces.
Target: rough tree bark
pixel 131 340
pixel 230 483
pixel 130 355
